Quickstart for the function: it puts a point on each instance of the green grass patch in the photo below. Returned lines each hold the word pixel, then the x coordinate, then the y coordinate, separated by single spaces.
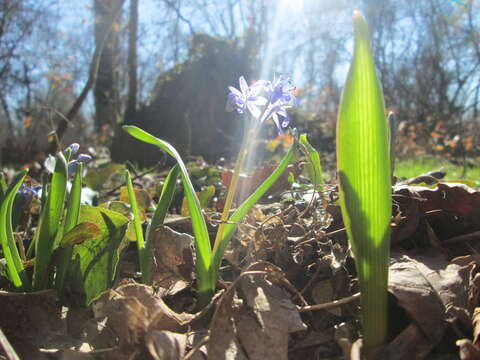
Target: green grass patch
pixel 411 167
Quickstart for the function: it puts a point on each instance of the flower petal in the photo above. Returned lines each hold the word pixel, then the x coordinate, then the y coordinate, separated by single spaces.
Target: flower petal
pixel 235 91
pixel 253 110
pixel 257 87
pixel 257 100
pixel 231 102
pixel 243 85
pixel 286 121
pixel 277 123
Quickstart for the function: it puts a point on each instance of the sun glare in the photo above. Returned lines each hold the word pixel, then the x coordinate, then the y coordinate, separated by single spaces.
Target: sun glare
pixel 293 5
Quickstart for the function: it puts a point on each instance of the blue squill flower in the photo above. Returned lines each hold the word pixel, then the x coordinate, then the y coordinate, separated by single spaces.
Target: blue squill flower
pixel 281 97
pixel 248 97
pixel 73 148
pixel 82 158
pixel 29 193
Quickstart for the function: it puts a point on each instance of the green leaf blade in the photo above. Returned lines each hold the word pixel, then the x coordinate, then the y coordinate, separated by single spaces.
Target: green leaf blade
pixel 165 200
pixel 49 222
pixel 71 220
pixel 205 285
pixel 15 270
pixel 314 166
pixel 364 169
pixel 143 253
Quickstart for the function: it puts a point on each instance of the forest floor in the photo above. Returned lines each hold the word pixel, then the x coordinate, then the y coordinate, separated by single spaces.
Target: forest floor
pixel 288 287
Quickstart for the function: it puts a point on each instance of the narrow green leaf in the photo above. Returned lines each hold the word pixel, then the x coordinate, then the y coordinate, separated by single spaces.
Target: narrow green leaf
pixel 314 167
pixel 15 270
pixel 3 187
pixel 73 205
pixel 365 184
pixel 245 207
pixel 165 200
pixel 205 285
pixel 71 219
pixel 43 201
pixel 144 254
pixel 392 138
pixel 49 223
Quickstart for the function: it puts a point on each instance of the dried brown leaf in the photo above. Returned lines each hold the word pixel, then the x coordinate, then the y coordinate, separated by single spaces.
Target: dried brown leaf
pixel 135 309
pixel 164 345
pixel 453 197
pixel 261 321
pixel 410 344
pixel 173 264
pixel 224 342
pixel 431 290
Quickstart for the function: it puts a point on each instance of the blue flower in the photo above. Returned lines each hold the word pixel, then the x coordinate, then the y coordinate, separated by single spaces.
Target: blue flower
pixel 279 97
pixel 280 94
pixel 29 193
pixel 73 148
pixel 248 97
pixel 82 158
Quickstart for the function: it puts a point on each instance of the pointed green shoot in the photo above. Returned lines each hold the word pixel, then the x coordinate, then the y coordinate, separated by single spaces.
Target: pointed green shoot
pixel 49 223
pixel 205 285
pixel 144 255
pixel 71 219
pixel 314 167
pixel 15 269
pixel 168 190
pixel 364 169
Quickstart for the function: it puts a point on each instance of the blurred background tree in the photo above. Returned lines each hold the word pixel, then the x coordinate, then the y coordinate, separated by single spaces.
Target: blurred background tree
pixel 165 65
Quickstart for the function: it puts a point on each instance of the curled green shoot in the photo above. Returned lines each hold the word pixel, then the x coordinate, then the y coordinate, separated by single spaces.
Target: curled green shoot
pixel 205 287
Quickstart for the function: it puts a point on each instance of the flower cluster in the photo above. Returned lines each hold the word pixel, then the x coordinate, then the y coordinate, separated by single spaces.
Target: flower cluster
pixel 69 152
pixel 29 193
pixel 264 100
pixel 81 158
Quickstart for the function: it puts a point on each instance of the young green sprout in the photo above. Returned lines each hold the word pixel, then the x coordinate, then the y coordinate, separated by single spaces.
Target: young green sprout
pixel 364 171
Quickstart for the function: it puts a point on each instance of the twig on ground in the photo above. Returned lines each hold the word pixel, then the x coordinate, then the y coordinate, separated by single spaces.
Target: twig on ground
pixel 330 304
pixel 196 347
pixel 462 238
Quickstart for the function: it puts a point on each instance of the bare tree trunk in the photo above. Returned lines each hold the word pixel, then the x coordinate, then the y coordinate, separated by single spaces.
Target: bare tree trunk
pixel 132 60
pixel 105 91
pixel 92 78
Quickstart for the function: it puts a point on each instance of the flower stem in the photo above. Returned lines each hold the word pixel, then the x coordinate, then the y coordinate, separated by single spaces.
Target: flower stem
pixel 232 189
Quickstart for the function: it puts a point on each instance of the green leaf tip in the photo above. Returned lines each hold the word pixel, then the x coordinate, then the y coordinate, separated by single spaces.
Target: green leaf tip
pixel 360 25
